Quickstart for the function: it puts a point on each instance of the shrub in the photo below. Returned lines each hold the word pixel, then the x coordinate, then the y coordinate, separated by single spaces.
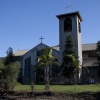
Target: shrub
pixel 8 75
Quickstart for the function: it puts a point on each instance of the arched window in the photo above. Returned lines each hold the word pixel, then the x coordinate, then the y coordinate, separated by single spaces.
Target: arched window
pixel 79 27
pixel 68 24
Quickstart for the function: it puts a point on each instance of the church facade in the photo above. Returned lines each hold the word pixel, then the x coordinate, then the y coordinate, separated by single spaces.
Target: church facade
pixel 69 23
pixel 28 60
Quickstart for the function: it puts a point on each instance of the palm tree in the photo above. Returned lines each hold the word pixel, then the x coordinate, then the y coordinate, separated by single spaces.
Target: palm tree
pixel 46 60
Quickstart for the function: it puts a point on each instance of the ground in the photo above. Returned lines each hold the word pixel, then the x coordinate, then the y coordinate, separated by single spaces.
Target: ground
pixel 57 92
pixel 51 96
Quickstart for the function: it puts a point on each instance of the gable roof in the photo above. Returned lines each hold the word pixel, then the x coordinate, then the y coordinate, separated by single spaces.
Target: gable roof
pixel 56 47
pixel 20 52
pixel 85 47
pixel 36 47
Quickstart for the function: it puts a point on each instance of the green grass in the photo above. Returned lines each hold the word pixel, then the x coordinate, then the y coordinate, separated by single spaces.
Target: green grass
pixel 61 88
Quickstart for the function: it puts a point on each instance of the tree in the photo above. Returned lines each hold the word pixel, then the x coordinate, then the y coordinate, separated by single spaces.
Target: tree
pixel 70 63
pixel 56 69
pixel 9 70
pixel 41 65
pixel 9 57
pixel 8 75
pixel 69 46
pixel 98 57
pixel 39 73
pixel 46 60
pixel 1 73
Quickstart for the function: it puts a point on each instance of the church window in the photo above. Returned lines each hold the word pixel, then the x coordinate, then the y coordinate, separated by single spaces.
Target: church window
pixel 92 55
pixel 68 24
pixel 79 27
pixel 27 67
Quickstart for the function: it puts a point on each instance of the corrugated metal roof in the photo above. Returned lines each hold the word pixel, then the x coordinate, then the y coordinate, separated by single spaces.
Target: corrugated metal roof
pixel 87 47
pixel 56 47
pixel 20 52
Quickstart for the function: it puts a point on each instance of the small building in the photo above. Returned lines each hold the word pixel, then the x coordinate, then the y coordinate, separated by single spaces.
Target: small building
pixel 90 64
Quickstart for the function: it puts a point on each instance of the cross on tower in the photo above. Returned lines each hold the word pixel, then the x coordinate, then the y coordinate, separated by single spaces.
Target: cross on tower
pixel 41 39
pixel 69 6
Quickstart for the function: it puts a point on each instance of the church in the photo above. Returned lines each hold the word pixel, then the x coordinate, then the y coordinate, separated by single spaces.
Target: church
pixel 69 23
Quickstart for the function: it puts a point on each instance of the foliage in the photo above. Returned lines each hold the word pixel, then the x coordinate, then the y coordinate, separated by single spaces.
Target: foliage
pixel 9 70
pixel 9 57
pixel 46 60
pixel 39 72
pixel 8 75
pixel 1 69
pixel 69 46
pixel 32 86
pixel 46 57
pixel 9 51
pixel 47 87
pixel 98 57
pixel 55 69
pixel 69 64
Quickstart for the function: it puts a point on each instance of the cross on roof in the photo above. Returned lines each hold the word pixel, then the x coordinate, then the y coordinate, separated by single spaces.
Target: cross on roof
pixel 41 39
pixel 69 6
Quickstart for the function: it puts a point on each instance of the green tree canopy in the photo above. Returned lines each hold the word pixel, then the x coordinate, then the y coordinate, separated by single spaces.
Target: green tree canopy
pixel 9 70
pixel 98 50
pixel 8 75
pixel 98 57
pixel 69 46
pixel 9 57
pixel 69 63
pixel 45 59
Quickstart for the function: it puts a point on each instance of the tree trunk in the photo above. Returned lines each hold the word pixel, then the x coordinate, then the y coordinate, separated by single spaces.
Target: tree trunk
pixel 47 74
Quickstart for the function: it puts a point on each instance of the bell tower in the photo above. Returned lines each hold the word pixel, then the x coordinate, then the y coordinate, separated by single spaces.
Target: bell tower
pixel 70 23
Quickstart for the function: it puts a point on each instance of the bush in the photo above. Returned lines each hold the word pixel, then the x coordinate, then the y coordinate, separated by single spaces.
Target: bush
pixel 47 87
pixel 32 86
pixel 8 75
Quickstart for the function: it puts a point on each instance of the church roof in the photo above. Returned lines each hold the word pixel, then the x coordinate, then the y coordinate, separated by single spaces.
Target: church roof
pixel 85 47
pixel 37 47
pixel 20 52
pixel 71 13
pixel 56 47
pixel 89 47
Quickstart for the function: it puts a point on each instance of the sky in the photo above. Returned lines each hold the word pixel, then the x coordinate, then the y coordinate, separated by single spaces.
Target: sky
pixel 23 22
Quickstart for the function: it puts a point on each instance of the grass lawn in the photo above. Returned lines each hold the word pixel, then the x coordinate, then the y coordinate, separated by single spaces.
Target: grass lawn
pixel 61 88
